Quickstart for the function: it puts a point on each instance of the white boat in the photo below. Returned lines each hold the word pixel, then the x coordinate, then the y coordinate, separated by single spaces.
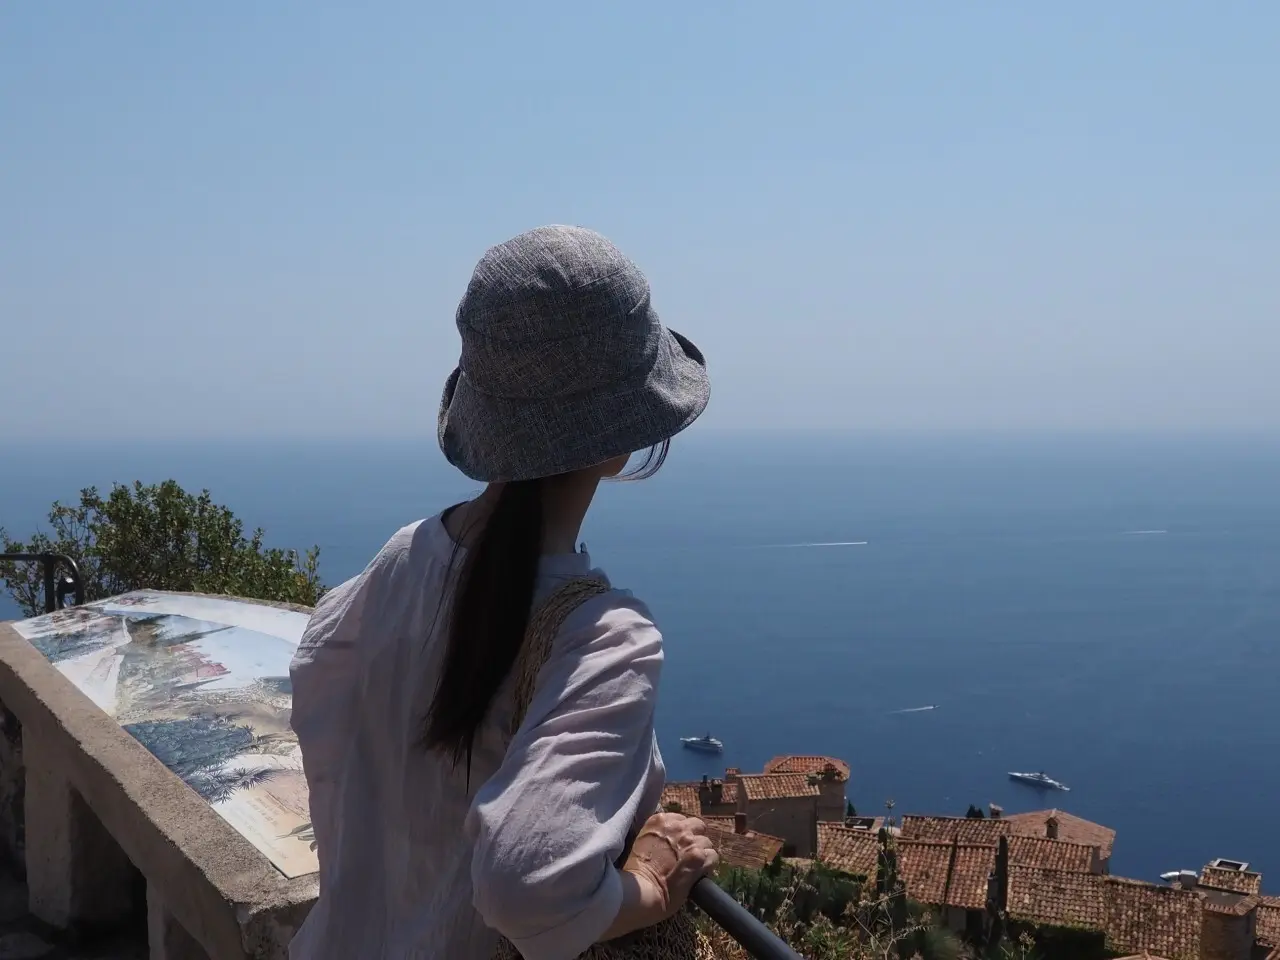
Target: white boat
pixel 1040 779
pixel 707 744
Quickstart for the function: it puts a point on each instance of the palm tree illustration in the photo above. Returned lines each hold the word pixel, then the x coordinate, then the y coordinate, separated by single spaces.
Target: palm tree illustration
pixel 304 832
pixel 198 749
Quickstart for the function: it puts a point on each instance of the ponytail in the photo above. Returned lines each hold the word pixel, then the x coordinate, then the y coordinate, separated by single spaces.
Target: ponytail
pixel 492 602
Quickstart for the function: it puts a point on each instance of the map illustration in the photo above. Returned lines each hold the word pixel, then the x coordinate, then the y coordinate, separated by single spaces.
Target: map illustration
pixel 202 683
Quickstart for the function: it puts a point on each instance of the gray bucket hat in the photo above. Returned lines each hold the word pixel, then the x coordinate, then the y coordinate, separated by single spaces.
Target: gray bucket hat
pixel 564 363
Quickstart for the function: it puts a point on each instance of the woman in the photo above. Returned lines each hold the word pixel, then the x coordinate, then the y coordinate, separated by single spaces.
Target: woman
pixel 442 819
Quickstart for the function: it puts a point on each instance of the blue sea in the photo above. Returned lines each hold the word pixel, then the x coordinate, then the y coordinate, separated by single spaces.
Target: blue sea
pixel 1104 609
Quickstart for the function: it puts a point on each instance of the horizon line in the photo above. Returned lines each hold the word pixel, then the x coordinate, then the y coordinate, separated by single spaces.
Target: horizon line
pixel 875 433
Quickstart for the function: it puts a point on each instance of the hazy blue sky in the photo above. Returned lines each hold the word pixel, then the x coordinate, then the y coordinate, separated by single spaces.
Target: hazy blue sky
pixel 257 218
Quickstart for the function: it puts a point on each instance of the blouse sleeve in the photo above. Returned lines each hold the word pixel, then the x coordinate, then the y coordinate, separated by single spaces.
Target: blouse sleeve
pixel 324 675
pixel 548 826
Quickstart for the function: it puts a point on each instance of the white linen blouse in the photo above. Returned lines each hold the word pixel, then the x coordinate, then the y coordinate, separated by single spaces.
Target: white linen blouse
pixel 419 858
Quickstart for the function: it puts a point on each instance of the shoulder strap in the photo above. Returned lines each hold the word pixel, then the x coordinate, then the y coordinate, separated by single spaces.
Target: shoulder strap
pixel 541 633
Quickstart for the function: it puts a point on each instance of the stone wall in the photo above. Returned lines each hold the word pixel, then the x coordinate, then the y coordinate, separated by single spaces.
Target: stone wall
pixel 792 819
pixel 108 833
pixel 1226 937
pixel 13 778
pixel 831 801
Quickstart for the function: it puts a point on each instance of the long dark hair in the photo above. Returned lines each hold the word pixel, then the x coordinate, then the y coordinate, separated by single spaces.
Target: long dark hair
pixel 492 603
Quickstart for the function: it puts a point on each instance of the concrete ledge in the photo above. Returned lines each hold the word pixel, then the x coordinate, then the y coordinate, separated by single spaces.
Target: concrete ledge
pixel 89 785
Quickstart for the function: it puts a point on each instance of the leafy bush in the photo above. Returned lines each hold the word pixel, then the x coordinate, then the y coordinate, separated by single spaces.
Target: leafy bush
pixel 159 537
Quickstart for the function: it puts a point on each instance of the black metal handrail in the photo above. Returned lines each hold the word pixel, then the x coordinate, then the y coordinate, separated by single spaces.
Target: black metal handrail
pixel 55 588
pixel 754 937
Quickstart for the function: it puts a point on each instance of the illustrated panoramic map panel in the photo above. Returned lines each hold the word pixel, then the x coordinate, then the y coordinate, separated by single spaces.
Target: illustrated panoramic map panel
pixel 203 683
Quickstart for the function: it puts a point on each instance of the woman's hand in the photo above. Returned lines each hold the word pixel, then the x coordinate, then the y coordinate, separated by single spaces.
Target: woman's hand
pixel 672 852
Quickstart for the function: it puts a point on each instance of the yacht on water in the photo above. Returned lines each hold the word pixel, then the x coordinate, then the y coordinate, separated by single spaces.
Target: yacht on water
pixel 1040 779
pixel 707 744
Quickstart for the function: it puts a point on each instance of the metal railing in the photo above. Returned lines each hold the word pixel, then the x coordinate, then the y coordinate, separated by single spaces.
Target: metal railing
pixel 56 587
pixel 754 937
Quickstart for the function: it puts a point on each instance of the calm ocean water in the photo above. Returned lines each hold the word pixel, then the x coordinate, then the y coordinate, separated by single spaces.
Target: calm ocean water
pixel 1105 610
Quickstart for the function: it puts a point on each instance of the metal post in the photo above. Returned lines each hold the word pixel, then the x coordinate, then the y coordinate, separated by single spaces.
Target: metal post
pixel 55 591
pixel 50 588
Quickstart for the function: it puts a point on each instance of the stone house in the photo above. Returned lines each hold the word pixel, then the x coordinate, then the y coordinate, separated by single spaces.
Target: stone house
pixel 1060 825
pixel 833 777
pixel 956 879
pixel 1048 854
pixel 1225 918
pixel 788 800
pixel 1267 932
pixel 952 829
pixel 1055 897
pixel 1148 917
pixel 719 798
pixel 1232 898
pixel 740 847
pixel 681 797
pixel 784 805
pixel 855 850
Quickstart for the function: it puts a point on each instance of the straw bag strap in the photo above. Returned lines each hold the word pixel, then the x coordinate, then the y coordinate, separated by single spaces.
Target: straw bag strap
pixel 540 635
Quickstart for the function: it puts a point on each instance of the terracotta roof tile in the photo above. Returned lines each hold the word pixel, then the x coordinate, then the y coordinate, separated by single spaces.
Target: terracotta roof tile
pixel 1238 881
pixel 1230 903
pixel 777 786
pixel 947 829
pixel 954 874
pixel 1269 921
pixel 1061 898
pixel 1070 827
pixel 751 850
pixel 730 792
pixel 849 849
pixel 806 764
pixel 1159 919
pixel 923 867
pixel 685 794
pixel 971 871
pixel 1051 854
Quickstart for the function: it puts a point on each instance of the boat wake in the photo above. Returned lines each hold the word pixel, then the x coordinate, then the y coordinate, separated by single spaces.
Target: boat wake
pixel 1143 533
pixel 834 543
pixel 932 706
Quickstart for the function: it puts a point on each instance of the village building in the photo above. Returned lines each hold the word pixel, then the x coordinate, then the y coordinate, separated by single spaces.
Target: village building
pixel 740 847
pixel 1042 853
pixel 1186 920
pixel 1267 932
pixel 784 805
pixel 832 774
pixel 678 797
pixel 719 798
pixel 855 850
pixel 788 800
pixel 1056 898
pixel 961 829
pixel 1059 825
pixel 1044 868
pixel 956 879
pixel 1154 918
